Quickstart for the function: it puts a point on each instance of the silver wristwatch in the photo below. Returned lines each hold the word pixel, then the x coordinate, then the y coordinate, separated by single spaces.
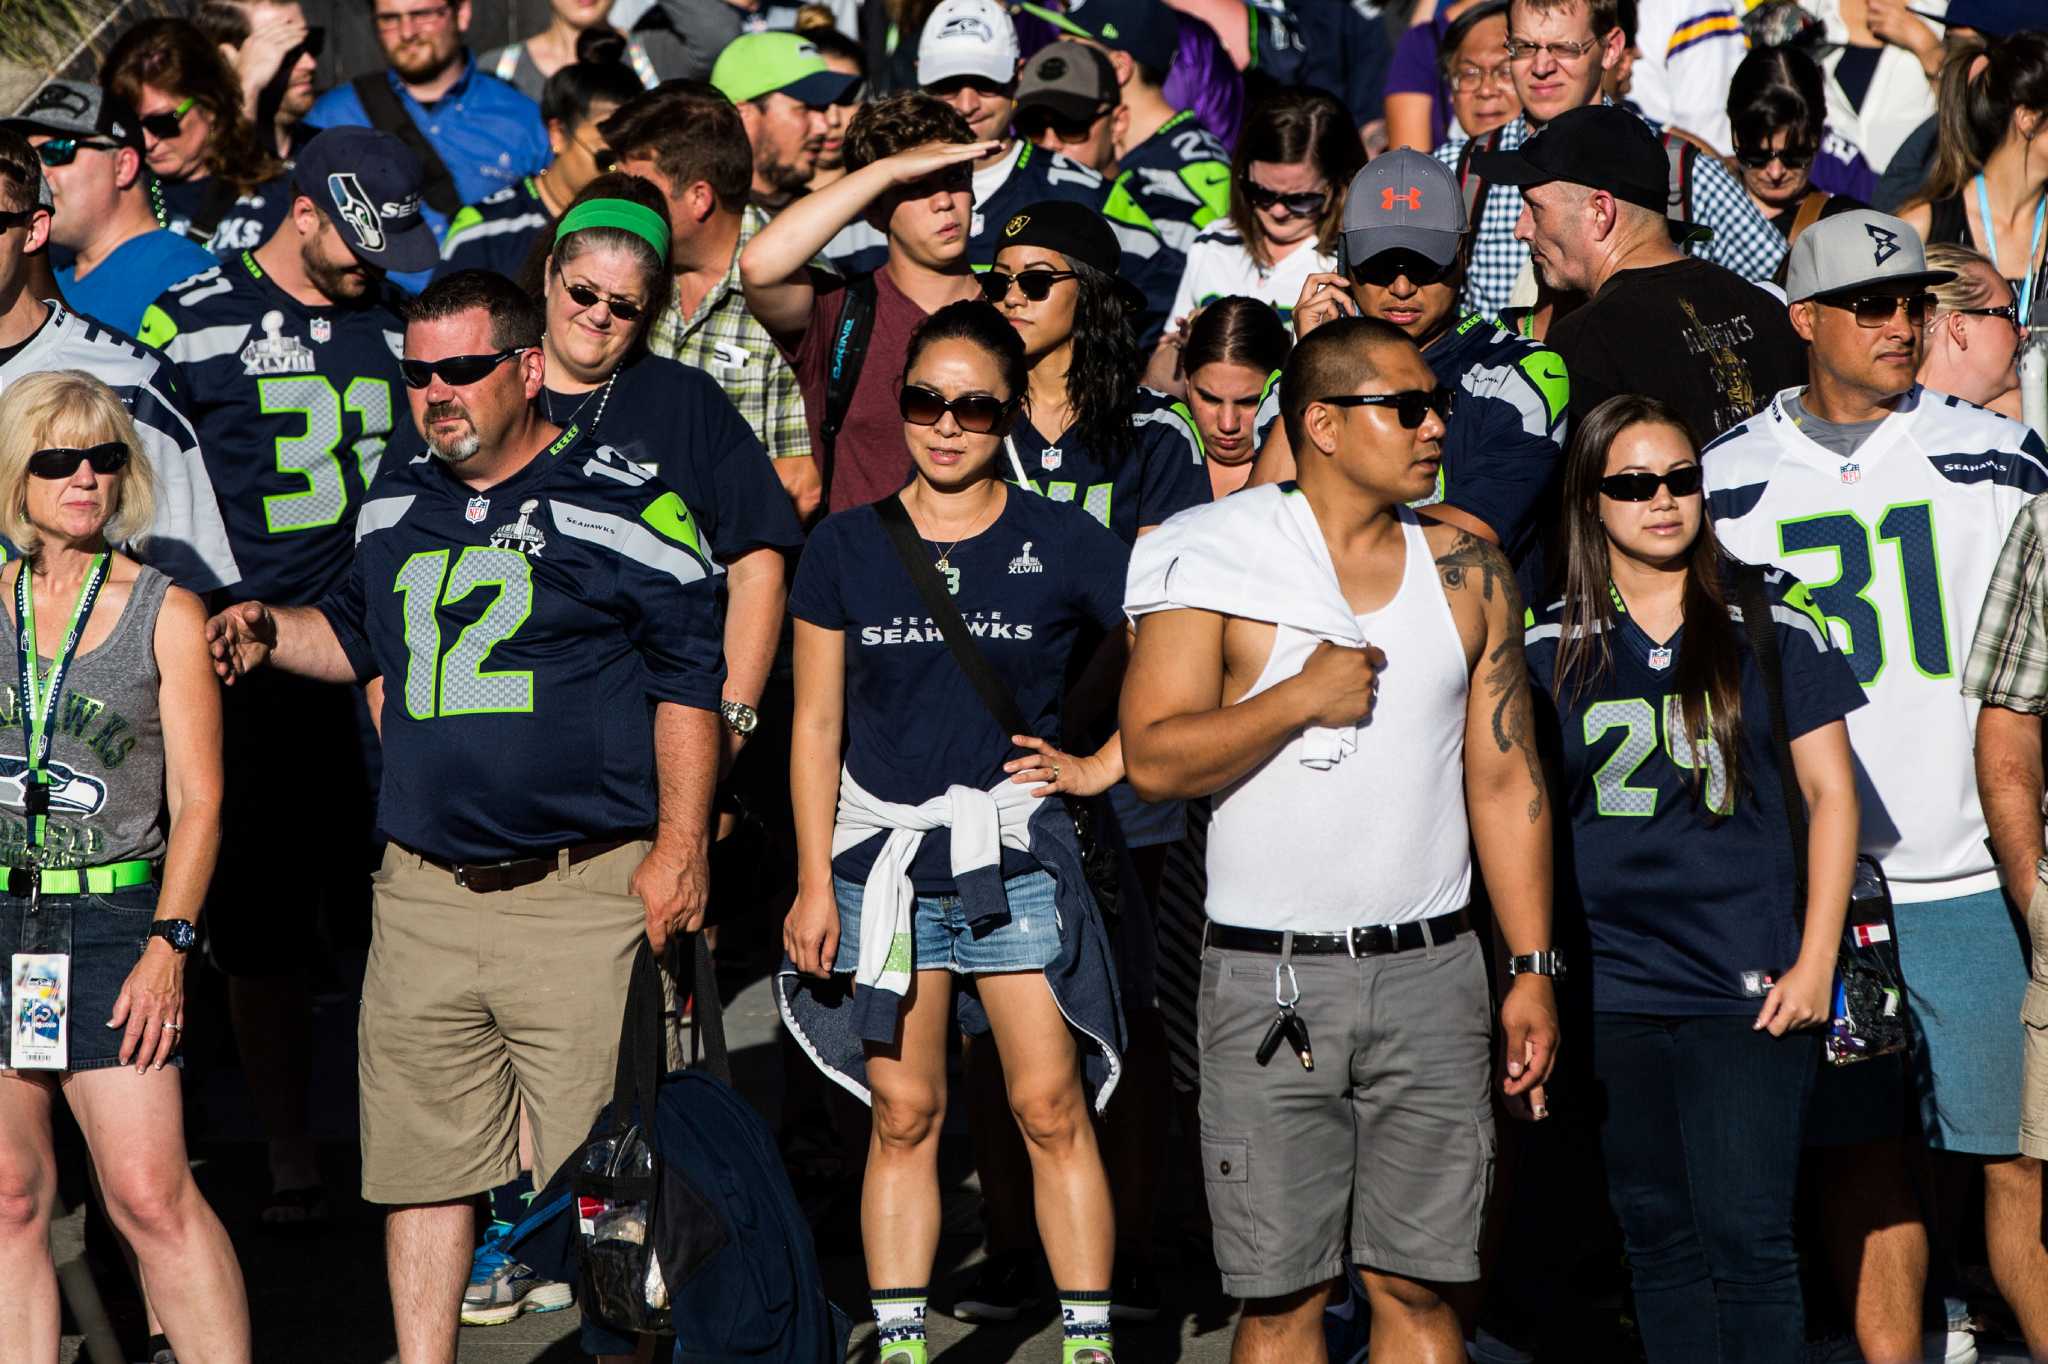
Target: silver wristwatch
pixel 739 717
pixel 1537 964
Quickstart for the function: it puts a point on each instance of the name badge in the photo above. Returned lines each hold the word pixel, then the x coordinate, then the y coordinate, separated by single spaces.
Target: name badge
pixel 40 1009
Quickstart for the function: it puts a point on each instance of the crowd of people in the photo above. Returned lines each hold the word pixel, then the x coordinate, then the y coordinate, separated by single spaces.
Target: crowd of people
pixel 1433 623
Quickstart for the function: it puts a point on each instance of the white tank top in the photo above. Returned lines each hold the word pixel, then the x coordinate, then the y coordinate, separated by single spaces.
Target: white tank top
pixel 1381 837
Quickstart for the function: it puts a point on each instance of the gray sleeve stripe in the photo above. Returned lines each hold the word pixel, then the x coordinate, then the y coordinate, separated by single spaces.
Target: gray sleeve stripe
pixel 1166 416
pixel 629 539
pixel 208 343
pixel 1537 633
pixel 381 513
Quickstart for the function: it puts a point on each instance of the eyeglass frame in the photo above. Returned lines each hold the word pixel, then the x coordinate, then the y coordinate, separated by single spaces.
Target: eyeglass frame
pixel 626 310
pixel 2010 312
pixel 73 144
pixel 1254 191
pixel 1563 54
pixel 1929 304
pixel 1447 395
pixel 1468 76
pixel 423 19
pixel 1807 154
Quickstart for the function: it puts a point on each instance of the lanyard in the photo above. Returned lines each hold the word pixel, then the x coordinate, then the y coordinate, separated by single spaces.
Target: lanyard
pixel 2028 271
pixel 40 709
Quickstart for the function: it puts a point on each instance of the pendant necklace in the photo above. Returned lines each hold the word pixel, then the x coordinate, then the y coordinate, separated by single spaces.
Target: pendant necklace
pixel 604 395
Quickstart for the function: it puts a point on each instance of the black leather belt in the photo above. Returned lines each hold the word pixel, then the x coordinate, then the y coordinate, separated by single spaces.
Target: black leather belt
pixel 1371 940
pixel 486 878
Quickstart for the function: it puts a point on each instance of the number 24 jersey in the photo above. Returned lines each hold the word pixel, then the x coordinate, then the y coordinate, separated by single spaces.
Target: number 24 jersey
pixel 1896 545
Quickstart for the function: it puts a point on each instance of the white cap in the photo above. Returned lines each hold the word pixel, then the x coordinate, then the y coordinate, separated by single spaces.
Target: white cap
pixel 967 38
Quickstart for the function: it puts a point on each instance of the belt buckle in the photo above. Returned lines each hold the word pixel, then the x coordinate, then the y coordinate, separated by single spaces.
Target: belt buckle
pixel 1371 940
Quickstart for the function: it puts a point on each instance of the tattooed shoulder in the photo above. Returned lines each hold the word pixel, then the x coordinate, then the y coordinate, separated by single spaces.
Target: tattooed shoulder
pixel 1471 561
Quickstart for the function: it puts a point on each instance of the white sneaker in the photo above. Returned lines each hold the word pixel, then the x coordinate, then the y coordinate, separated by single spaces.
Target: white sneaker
pixel 1953 1346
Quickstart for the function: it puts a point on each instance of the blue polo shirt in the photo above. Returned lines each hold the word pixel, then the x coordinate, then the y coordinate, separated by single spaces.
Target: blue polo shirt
pixel 132 276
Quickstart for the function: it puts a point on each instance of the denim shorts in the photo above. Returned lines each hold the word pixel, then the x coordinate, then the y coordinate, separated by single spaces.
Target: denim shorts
pixel 942 940
pixel 107 935
pixel 1966 976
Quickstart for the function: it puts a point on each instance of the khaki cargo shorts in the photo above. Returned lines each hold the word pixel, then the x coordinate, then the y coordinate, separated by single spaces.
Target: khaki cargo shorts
pixel 473 1003
pixel 2034 1017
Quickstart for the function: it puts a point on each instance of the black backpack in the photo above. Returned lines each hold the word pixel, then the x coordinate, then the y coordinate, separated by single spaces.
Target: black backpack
pixel 849 347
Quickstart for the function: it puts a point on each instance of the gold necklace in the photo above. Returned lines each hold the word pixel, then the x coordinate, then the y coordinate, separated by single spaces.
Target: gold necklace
pixel 944 562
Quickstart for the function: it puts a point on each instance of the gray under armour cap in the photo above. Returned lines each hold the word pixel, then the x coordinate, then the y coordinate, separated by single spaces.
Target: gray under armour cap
pixel 1861 249
pixel 1404 201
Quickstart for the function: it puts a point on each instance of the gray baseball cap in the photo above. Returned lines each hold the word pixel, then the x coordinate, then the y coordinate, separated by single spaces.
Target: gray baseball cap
pixel 1404 201
pixel 1073 80
pixel 76 109
pixel 1861 249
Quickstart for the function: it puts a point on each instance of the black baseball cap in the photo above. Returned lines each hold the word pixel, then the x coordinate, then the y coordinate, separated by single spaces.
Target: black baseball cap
pixel 1075 232
pixel 368 183
pixel 1600 146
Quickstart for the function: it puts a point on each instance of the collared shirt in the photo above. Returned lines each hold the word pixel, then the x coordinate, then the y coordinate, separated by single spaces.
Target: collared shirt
pixel 726 341
pixel 2009 660
pixel 1744 239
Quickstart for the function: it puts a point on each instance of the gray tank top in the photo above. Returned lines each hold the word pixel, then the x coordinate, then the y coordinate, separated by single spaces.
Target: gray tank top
pixel 106 749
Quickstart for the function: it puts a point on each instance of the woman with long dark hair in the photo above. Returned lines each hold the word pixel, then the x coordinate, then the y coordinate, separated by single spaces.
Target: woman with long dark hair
pixel 1704 984
pixel 1794 173
pixel 1232 359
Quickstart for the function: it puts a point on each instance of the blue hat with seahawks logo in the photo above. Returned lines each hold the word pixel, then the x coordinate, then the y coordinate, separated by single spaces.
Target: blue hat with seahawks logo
pixel 369 184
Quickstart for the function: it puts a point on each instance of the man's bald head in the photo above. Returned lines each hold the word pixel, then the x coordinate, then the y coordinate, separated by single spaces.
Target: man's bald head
pixel 1340 356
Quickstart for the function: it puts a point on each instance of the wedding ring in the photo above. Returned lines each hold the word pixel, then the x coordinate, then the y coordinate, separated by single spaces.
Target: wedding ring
pixel 174 1027
pixel 1055 771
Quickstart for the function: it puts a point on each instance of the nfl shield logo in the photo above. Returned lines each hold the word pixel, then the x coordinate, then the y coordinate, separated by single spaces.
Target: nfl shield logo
pixel 477 510
pixel 1852 473
pixel 323 330
pixel 1050 457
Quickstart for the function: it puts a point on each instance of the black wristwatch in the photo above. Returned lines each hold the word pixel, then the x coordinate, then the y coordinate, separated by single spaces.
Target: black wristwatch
pixel 179 933
pixel 1549 963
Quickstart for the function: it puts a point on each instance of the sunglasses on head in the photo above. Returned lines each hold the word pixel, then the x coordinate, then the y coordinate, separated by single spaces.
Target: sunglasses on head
pixel 623 309
pixel 62 151
pixel 1683 481
pixel 164 127
pixel 108 457
pixel 1302 204
pixel 1410 404
pixel 1035 284
pixel 455 370
pixel 1874 310
pixel 1382 270
pixel 1793 158
pixel 976 412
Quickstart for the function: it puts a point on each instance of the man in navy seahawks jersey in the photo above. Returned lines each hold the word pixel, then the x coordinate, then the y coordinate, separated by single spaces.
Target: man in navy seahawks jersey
pixel 546 625
pixel 1405 247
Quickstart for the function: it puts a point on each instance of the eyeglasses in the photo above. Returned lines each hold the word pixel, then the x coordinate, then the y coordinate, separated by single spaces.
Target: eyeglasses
pixel 1033 124
pixel 1382 270
pixel 976 412
pixel 2010 312
pixel 1410 404
pixel 623 309
pixel 164 127
pixel 1564 54
pixel 418 18
pixel 1874 310
pixel 455 370
pixel 1684 481
pixel 1304 204
pixel 62 151
pixel 1035 285
pixel 1792 158
pixel 1466 79
pixel 109 457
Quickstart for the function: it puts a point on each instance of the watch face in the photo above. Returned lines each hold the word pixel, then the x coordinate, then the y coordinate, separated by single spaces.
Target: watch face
pixel 179 934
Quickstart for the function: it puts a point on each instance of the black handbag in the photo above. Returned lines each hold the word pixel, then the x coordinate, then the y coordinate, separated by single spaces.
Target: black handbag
pixel 1868 1017
pixel 1099 860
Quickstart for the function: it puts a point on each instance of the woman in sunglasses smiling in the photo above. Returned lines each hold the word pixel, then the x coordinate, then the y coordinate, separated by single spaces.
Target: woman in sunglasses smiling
pixel 1704 987
pixel 949 853
pixel 108 830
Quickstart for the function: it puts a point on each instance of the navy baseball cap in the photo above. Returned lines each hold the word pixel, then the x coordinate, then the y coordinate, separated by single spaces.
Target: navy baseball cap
pixel 1147 29
pixel 369 184
pixel 1992 18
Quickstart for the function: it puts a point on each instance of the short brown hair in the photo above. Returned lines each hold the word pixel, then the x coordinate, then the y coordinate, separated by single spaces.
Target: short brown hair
pixel 690 132
pixel 21 168
pixel 1604 15
pixel 899 122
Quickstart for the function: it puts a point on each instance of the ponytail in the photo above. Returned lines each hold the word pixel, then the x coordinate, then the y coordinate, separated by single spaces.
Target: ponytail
pixel 1983 85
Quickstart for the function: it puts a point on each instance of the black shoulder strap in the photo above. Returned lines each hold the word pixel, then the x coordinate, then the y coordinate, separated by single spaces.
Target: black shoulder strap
pixel 386 113
pixel 1474 186
pixel 939 604
pixel 849 345
pixel 1763 644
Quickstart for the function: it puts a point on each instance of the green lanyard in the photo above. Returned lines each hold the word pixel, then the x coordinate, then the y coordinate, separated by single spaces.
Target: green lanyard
pixel 40 708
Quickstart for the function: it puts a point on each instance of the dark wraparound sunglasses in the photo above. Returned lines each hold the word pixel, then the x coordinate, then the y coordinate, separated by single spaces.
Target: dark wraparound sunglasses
pixel 623 309
pixel 1410 404
pixel 2010 312
pixel 1382 270
pixel 455 370
pixel 164 127
pixel 1874 310
pixel 1032 124
pixel 62 151
pixel 1304 204
pixel 976 412
pixel 1035 285
pixel 108 457
pixel 1793 158
pixel 1683 481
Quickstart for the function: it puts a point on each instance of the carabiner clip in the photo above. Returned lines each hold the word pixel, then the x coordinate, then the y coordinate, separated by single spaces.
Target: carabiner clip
pixel 1292 984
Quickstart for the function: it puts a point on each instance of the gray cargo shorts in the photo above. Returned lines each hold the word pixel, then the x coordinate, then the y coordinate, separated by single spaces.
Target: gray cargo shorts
pixel 1387 1145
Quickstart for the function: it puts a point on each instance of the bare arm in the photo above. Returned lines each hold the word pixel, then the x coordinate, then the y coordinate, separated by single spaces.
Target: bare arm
pixel 756 590
pixel 674 880
pixel 1408 116
pixel 810 934
pixel 295 639
pixel 2009 784
pixel 804 483
pixel 1827 781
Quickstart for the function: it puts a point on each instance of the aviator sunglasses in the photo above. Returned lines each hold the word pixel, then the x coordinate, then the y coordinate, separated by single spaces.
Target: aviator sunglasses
pixel 1874 310
pixel 455 370
pixel 1035 285
pixel 1683 481
pixel 977 413
pixel 108 457
pixel 1410 404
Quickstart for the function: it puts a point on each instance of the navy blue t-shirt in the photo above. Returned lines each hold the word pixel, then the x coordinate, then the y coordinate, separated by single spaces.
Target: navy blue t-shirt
pixel 1044 574
pixel 1161 473
pixel 1680 905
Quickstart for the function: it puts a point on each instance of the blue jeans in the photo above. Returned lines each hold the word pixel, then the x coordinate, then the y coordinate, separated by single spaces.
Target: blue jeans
pixel 1701 1130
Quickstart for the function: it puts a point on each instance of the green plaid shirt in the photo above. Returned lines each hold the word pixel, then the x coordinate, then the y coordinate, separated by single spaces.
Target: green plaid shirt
pixel 725 341
pixel 2009 662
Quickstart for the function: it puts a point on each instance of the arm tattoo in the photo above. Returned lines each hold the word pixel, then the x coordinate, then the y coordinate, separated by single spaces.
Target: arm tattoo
pixel 1507 683
pixel 1468 552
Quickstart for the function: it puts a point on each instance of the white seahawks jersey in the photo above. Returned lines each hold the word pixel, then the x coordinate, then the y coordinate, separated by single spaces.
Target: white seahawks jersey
pixel 1895 544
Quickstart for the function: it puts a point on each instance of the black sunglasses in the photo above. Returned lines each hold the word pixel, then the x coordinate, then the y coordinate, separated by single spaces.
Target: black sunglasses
pixel 2010 312
pixel 1032 124
pixel 455 370
pixel 1410 404
pixel 586 297
pixel 1683 481
pixel 1382 270
pixel 163 127
pixel 62 151
pixel 12 218
pixel 1035 284
pixel 108 457
pixel 976 412
pixel 1303 204
pixel 1874 310
pixel 316 40
pixel 1794 158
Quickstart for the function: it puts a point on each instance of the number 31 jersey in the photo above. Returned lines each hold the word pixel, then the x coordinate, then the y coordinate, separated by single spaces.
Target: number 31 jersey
pixel 1896 545
pixel 293 405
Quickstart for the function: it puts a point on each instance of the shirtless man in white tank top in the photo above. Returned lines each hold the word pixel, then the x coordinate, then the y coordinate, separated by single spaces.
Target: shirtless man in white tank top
pixel 1346 680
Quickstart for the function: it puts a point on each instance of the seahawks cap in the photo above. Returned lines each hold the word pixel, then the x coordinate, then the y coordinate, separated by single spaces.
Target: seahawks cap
pixel 967 38
pixel 76 109
pixel 1861 249
pixel 368 183
pixel 1073 80
pixel 1147 29
pixel 1076 232
pixel 1404 201
pixel 757 64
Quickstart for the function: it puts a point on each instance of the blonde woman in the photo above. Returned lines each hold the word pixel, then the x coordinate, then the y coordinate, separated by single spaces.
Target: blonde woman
pixel 1974 334
pixel 100 887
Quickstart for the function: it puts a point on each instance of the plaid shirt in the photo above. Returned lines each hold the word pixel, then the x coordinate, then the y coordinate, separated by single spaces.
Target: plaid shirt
pixel 1744 240
pixel 2009 662
pixel 725 341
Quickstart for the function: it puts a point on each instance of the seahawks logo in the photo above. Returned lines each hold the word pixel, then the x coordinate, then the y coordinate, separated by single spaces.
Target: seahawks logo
pixel 71 791
pixel 1016 224
pixel 356 210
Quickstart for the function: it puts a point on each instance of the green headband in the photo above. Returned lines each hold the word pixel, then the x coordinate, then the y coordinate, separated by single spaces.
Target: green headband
pixel 638 219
